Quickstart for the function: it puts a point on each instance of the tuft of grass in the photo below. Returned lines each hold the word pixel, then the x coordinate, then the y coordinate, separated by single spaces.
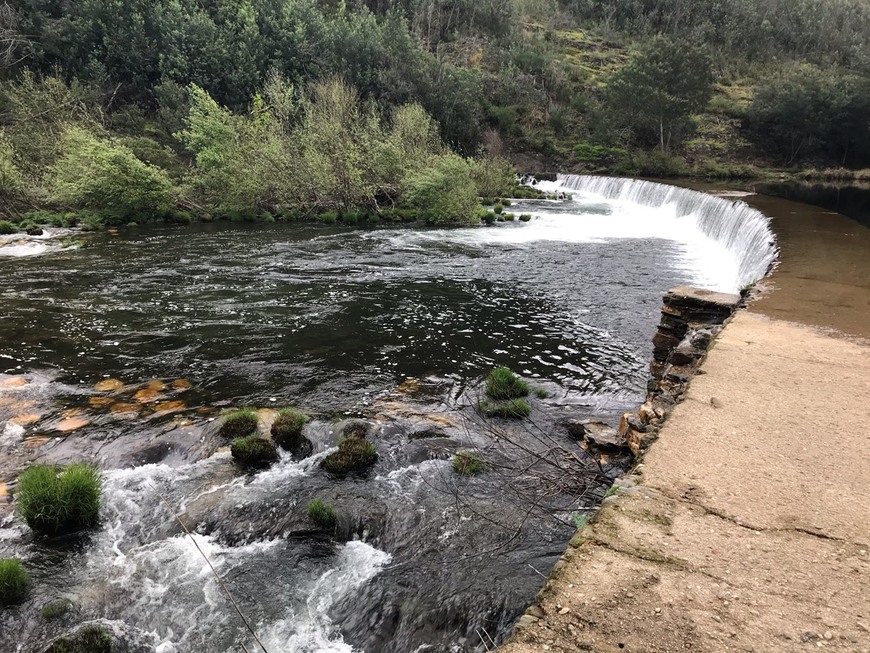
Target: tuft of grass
pixel 353 454
pixel 508 217
pixel 506 202
pixel 467 463
pixel 513 409
pixel 13 582
pixel 525 217
pixel 322 514
pixel 613 489
pixel 430 432
pixel 355 430
pixel 254 451
pixel 540 393
pixel 90 639
pixel 287 427
pixel 504 384
pixel 579 521
pixel 7 228
pixel 55 609
pixel 497 208
pixel 239 423
pixel 58 500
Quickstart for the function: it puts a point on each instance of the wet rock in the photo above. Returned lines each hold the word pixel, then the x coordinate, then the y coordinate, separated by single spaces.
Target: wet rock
pixel 108 385
pixel 13 382
pixel 99 402
pixel 147 395
pixel 685 354
pixel 71 424
pixel 180 385
pixel 121 408
pixel 600 436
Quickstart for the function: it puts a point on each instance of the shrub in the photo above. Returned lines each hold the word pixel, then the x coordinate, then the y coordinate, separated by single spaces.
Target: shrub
pixel 504 384
pixel 7 227
pixel 254 451
pixel 513 409
pixel 239 423
pixel 467 463
pixel 493 176
pixel 353 454
pixel 13 582
pixel 90 639
pixel 55 609
pixel 322 514
pixel 506 202
pixel 444 192
pixel 498 208
pixel 58 500
pixel 525 217
pixel 31 229
pixel 508 217
pixel 489 218
pixel 107 177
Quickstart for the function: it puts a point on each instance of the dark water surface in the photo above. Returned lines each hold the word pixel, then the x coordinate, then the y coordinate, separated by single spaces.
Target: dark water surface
pixel 335 321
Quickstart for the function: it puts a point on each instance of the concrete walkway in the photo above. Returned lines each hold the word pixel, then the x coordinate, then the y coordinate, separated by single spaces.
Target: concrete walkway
pixel 748 525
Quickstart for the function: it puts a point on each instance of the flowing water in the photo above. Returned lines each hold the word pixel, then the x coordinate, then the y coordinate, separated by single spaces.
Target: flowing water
pixel 396 326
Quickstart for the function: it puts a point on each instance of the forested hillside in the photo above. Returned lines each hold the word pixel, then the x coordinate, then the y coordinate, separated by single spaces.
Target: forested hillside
pixel 127 108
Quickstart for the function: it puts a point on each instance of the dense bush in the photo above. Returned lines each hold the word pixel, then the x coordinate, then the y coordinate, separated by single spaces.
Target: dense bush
pixel 254 451
pixel 7 228
pixel 239 423
pixel 353 454
pixel 444 192
pixel 13 582
pixel 57 500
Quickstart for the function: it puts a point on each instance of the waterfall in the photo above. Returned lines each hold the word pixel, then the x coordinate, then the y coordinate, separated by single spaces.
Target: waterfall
pixel 739 228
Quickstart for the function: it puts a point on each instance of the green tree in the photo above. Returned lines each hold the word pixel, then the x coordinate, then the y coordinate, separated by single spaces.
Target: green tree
pixel 10 176
pixel 444 192
pixel 660 88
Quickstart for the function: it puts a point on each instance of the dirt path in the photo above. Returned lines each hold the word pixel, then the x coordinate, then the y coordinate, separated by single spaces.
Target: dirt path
pixel 747 527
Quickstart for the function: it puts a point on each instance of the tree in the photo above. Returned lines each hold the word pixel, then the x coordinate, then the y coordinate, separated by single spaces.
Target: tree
pixel 657 91
pixel 444 192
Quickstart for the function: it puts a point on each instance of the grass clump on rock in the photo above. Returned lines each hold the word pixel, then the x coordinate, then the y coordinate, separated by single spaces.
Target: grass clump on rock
pixel 59 500
pixel 353 454
pixel 513 409
pixel 504 384
pixel 13 582
pixel 467 463
pixel 239 423
pixel 254 451
pixel 355 430
pixel 90 639
pixel 287 431
pixel 322 514
pixel 7 228
pixel 55 609
pixel 525 217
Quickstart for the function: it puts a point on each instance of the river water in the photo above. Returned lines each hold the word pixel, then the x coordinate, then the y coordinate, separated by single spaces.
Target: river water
pixel 396 326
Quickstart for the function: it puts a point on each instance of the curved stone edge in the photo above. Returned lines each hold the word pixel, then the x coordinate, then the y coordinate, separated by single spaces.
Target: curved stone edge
pixel 691 320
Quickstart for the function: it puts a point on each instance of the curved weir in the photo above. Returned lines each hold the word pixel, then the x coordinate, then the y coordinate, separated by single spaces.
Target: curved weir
pixel 742 230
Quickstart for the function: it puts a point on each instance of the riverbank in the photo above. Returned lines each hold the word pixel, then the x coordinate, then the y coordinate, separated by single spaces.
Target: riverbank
pixel 745 528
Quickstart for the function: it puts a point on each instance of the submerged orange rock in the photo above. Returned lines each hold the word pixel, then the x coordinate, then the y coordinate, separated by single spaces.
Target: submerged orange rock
pixel 25 420
pixel 13 382
pixel 156 385
pixel 35 441
pixel 146 395
pixel 122 408
pixel 99 402
pixel 71 424
pixel 170 406
pixel 108 385
pixel 181 385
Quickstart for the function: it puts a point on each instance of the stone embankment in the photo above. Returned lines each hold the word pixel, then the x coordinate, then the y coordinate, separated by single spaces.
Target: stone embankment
pixel 745 528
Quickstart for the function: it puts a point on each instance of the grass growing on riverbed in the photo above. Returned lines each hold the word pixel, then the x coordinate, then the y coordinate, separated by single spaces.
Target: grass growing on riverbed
pixel 90 639
pixel 504 384
pixel 353 454
pixel 57 500
pixel 513 409
pixel 467 463
pixel 254 451
pixel 287 427
pixel 55 609
pixel 239 423
pixel 322 514
pixel 13 582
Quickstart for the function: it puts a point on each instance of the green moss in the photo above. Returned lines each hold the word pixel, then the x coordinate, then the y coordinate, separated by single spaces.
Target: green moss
pixel 90 639
pixel 239 423
pixel 58 500
pixel 513 409
pixel 467 463
pixel 13 582
pixel 254 451
pixel 322 514
pixel 55 609
pixel 353 454
pixel 504 384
